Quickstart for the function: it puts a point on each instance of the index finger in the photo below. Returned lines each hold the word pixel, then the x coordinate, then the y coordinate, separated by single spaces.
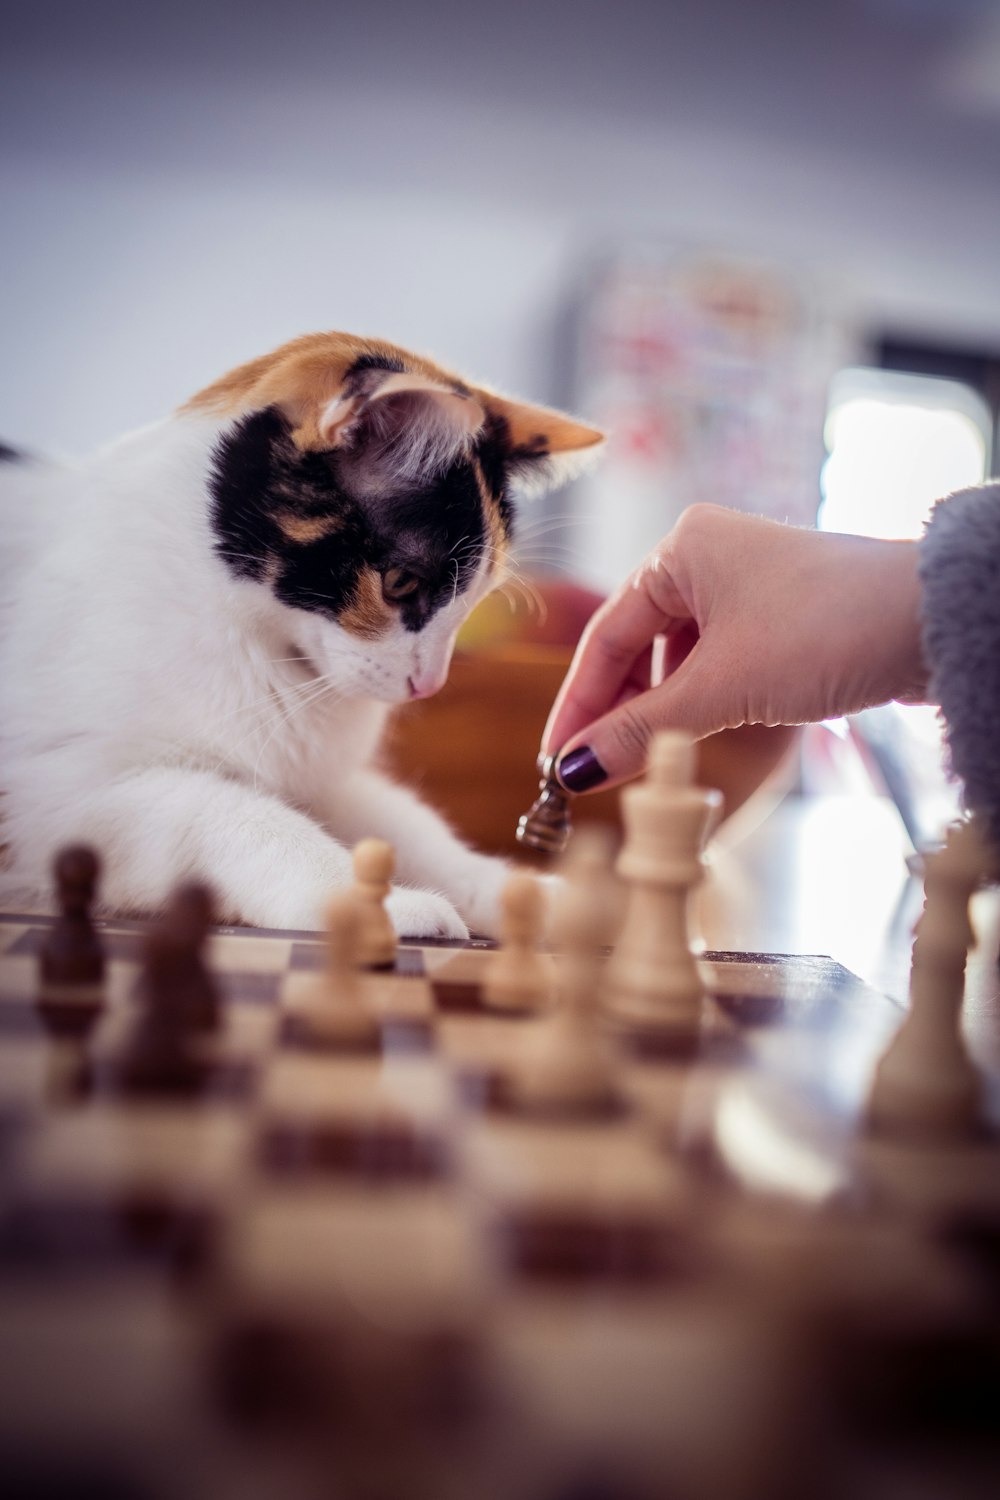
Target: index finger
pixel 616 635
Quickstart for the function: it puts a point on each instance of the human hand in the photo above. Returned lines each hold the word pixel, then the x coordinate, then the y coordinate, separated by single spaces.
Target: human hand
pixel 762 623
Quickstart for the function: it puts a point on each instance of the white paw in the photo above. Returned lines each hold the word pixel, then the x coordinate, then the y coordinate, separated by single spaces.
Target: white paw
pixel 423 914
pixel 476 891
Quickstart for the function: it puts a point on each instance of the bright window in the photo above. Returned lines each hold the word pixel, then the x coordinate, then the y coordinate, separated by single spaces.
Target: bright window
pixel 896 444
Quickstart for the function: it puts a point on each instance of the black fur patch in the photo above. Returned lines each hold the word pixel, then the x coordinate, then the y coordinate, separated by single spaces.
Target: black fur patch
pixel 493 452
pixel 11 455
pixel 258 474
pixel 368 371
pixel 358 381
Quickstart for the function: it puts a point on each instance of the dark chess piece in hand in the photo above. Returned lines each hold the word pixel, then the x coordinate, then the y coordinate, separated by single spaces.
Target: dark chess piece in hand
pixel 71 958
pixel 547 826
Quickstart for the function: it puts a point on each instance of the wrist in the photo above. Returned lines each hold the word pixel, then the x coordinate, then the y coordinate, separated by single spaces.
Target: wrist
pixel 902 597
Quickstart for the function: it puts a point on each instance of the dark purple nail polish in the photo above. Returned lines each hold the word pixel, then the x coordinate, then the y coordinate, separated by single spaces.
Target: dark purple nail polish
pixel 579 770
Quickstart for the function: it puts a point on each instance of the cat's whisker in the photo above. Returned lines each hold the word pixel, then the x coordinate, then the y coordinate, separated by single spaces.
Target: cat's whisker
pixel 301 694
pixel 327 688
pixel 526 592
pixel 541 549
pixel 512 568
pixel 264 704
pixel 320 598
pixel 505 590
pixel 276 698
pixel 543 527
pixel 544 562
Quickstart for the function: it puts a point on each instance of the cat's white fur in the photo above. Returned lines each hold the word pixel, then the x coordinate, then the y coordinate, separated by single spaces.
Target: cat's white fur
pixel 185 722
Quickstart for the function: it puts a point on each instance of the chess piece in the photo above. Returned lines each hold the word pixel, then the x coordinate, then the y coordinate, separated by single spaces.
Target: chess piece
pixel 72 954
pixel 569 1067
pixel 654 988
pixel 925 1085
pixel 189 916
pixel 546 826
pixel 335 1014
pixel 374 863
pixel 519 977
pixel 71 960
pixel 161 1054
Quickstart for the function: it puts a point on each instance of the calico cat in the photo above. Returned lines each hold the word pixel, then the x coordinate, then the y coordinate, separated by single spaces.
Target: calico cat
pixel 203 629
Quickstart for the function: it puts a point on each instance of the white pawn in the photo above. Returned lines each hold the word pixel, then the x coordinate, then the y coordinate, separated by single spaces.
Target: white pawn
pixel 569 1067
pixel 336 1014
pixel 925 1084
pixel 520 977
pixel 374 864
pixel 653 979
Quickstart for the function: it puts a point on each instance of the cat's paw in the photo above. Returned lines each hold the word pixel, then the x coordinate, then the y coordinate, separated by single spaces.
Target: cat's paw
pixel 423 914
pixel 476 891
pixel 482 904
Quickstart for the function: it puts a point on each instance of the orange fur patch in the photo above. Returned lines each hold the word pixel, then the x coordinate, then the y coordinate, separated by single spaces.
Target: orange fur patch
pixel 307 529
pixel 302 377
pixel 540 429
pixel 496 536
pixel 367 615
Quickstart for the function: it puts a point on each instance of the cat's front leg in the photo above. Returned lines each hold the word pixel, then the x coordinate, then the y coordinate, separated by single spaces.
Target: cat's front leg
pixel 269 865
pixel 428 853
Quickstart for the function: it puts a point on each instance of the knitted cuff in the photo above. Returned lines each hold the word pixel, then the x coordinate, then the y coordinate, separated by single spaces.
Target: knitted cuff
pixel 960 573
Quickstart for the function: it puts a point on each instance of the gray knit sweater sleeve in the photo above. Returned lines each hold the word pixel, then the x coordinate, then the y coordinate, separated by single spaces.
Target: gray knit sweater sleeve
pixel 960 572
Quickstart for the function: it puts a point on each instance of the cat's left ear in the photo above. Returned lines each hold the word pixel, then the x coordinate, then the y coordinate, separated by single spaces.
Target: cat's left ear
pixel 543 448
pixel 408 424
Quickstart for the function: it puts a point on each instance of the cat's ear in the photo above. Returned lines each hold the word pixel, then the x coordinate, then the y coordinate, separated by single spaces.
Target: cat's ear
pixel 407 428
pixel 542 448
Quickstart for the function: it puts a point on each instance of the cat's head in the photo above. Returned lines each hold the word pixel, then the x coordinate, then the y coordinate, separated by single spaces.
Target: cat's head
pixel 372 493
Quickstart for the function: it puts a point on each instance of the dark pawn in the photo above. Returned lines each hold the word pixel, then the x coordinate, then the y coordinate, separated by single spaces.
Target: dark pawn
pixel 71 953
pixel 547 824
pixel 188 918
pixel 162 1054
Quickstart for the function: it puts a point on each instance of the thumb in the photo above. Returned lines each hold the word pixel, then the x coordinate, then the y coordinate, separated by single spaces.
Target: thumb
pixel 616 747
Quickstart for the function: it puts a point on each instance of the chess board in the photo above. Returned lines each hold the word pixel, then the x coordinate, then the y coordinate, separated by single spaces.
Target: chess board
pixel 368 1274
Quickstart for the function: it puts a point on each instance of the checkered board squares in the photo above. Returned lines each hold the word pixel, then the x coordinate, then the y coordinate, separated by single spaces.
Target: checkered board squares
pixel 375 1254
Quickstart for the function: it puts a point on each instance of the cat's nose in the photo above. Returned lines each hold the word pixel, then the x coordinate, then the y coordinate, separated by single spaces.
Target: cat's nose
pixel 424 684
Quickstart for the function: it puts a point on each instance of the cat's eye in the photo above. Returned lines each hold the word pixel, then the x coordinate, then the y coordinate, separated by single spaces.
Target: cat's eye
pixel 399 583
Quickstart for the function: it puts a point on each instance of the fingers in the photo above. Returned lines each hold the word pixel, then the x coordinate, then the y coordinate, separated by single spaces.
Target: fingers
pixel 618 636
pixel 615 747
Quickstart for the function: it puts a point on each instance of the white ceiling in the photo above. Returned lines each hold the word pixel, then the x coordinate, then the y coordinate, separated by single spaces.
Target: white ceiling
pixel 901 80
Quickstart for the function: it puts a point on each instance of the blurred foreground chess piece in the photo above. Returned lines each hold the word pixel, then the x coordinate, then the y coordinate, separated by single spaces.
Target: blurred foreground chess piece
pixel 925 1084
pixel 72 954
pixel 569 1067
pixel 334 1014
pixel 374 865
pixel 71 959
pixel 654 988
pixel 519 977
pixel 162 1053
pixel 547 826
pixel 190 916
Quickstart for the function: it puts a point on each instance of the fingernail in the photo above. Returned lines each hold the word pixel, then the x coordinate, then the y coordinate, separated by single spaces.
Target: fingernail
pixel 579 770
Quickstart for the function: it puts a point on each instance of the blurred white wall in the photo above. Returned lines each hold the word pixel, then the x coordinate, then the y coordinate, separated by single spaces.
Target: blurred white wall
pixel 179 196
